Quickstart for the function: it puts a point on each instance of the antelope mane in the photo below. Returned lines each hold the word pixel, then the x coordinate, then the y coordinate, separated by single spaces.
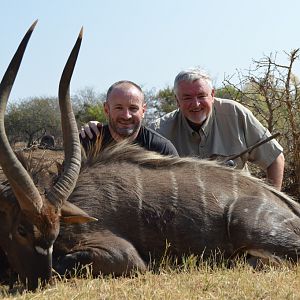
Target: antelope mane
pixel 125 151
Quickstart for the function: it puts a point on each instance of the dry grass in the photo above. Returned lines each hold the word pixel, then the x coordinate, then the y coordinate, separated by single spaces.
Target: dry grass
pixel 204 282
pixel 190 282
pixel 47 156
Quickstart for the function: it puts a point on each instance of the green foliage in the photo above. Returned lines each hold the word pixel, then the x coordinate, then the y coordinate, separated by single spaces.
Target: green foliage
pixel 166 100
pixel 228 92
pixel 88 106
pixel 159 103
pixel 30 119
pixel 89 112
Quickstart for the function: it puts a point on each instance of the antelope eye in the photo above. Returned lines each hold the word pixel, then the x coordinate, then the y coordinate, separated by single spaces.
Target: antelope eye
pixel 22 231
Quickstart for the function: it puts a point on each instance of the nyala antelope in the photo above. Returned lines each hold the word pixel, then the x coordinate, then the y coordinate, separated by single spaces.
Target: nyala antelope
pixel 119 209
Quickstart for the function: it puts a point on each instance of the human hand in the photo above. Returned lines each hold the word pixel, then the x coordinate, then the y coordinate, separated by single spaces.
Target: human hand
pixel 90 130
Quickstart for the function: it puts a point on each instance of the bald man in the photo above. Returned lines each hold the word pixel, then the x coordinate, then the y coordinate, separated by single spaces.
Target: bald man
pixel 125 108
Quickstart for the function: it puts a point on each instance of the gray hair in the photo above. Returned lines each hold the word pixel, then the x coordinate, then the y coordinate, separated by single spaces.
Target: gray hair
pixel 190 75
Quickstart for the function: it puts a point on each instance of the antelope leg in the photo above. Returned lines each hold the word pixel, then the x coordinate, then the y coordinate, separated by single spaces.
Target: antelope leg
pixel 112 255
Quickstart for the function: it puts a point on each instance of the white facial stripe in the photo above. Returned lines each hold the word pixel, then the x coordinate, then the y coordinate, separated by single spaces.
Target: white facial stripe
pixel 40 250
pixel 43 251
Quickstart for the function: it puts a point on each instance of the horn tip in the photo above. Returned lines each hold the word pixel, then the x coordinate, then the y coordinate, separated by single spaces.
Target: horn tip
pixel 81 33
pixel 33 25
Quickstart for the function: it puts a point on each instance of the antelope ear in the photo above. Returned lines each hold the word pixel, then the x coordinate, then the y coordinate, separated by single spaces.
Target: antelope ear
pixel 72 214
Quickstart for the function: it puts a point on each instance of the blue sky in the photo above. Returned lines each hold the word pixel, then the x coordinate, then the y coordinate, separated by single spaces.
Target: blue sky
pixel 148 42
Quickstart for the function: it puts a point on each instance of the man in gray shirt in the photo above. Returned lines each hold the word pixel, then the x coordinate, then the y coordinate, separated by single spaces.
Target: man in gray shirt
pixel 209 127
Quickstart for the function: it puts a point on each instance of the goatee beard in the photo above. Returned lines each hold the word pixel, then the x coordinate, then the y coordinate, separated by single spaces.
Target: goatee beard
pixel 125 132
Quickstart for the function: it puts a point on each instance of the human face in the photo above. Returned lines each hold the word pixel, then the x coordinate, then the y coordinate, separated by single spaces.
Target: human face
pixel 125 110
pixel 195 100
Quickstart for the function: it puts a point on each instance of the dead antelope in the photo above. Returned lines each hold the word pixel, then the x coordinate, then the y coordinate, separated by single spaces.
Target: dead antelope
pixel 141 200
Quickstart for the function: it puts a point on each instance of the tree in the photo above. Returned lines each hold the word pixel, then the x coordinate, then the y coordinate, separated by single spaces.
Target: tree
pixel 159 103
pixel 272 92
pixel 30 119
pixel 166 100
pixel 227 92
pixel 88 105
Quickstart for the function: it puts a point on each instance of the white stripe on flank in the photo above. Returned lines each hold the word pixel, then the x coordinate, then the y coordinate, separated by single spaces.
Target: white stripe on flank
pixel 235 186
pixel 289 228
pixel 112 194
pixel 174 189
pixel 260 209
pixel 139 193
pixel 139 187
pixel 235 193
pixel 201 190
pixel 285 221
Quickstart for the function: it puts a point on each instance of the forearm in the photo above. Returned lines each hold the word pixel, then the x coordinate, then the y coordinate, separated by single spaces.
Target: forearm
pixel 275 172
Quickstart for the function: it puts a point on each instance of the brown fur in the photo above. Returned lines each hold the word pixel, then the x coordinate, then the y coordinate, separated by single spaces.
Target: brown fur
pixel 197 206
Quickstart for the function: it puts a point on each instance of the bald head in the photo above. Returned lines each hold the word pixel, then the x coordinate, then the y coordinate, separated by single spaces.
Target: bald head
pixel 124 109
pixel 125 86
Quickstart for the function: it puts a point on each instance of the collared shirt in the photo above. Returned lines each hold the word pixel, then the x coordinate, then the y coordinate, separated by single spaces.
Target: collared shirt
pixel 147 138
pixel 230 129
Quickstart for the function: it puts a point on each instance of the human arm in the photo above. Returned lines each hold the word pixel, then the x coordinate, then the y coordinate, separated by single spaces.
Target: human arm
pixel 153 141
pixel 169 149
pixel 269 155
pixel 275 171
